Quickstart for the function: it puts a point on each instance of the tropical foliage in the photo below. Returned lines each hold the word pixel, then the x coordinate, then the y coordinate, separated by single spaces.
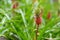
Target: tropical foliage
pixel 18 23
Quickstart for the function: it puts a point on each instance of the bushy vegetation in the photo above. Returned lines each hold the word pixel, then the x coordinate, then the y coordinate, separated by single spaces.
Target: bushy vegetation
pixel 17 19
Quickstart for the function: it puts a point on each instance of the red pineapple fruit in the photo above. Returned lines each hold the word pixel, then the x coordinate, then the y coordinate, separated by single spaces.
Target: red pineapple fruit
pixel 49 15
pixel 15 5
pixel 38 19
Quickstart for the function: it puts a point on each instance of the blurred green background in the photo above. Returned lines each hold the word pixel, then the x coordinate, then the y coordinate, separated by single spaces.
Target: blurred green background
pixel 18 23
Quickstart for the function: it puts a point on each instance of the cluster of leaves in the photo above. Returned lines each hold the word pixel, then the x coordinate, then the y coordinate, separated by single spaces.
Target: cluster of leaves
pixel 18 24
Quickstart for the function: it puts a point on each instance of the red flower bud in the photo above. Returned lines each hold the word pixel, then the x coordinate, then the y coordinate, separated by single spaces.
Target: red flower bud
pixel 38 20
pixel 15 5
pixel 49 15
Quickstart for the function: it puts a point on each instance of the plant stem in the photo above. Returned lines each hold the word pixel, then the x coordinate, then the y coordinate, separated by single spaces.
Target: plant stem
pixel 37 31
